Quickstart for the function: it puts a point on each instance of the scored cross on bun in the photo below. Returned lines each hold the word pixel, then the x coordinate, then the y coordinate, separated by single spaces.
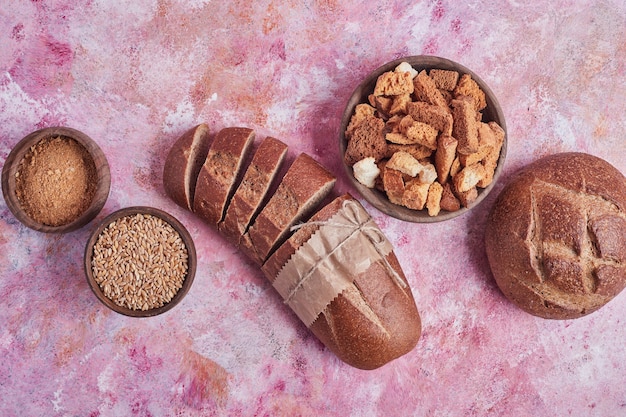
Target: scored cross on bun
pixel 556 236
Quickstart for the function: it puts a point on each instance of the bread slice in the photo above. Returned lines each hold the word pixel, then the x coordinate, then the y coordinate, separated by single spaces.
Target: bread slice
pixel 303 187
pixel 183 164
pixel 257 180
pixel 373 321
pixel 219 174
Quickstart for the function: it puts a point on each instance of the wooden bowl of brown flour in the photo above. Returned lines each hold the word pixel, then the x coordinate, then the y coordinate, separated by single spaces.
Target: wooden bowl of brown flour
pixel 56 180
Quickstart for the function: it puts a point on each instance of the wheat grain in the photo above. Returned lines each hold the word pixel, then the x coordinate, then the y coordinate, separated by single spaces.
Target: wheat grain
pixel 139 262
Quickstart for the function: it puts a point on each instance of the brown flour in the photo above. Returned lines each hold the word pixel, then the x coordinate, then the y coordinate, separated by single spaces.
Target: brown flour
pixel 56 181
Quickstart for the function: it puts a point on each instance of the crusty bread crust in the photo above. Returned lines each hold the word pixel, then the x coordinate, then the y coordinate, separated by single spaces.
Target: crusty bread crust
pixel 555 236
pixel 219 174
pixel 183 164
pixel 373 322
pixel 255 185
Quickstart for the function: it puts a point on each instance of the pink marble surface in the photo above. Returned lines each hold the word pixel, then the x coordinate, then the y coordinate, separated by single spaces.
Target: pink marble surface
pixel 135 74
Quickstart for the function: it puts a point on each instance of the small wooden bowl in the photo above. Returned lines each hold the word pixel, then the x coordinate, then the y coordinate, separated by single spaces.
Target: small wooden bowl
pixel 11 167
pixel 378 199
pixel 191 260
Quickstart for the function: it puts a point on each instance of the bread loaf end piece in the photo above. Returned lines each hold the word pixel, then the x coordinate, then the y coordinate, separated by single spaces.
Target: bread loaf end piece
pixel 251 192
pixel 371 323
pixel 220 172
pixel 555 236
pixel 301 190
pixel 183 164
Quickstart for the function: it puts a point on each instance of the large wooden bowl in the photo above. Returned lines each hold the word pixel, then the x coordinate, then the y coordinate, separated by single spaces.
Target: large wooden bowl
pixel 378 199
pixel 11 167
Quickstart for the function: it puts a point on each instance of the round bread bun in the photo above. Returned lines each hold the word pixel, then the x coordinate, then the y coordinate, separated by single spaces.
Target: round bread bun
pixel 556 236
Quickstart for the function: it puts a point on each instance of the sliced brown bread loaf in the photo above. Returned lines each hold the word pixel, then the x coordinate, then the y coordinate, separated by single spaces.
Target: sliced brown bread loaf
pixel 303 187
pixel 362 307
pixel 253 189
pixel 375 319
pixel 219 174
pixel 183 164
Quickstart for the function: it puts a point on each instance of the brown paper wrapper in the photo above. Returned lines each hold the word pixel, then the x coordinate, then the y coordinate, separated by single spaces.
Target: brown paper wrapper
pixel 342 248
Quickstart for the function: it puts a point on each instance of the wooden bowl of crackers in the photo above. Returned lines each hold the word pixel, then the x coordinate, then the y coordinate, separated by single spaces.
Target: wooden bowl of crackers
pixel 56 180
pixel 140 261
pixel 423 139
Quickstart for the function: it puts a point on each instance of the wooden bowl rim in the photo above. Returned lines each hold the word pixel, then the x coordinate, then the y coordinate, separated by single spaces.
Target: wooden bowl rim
pixel 172 221
pixel 18 152
pixel 379 200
